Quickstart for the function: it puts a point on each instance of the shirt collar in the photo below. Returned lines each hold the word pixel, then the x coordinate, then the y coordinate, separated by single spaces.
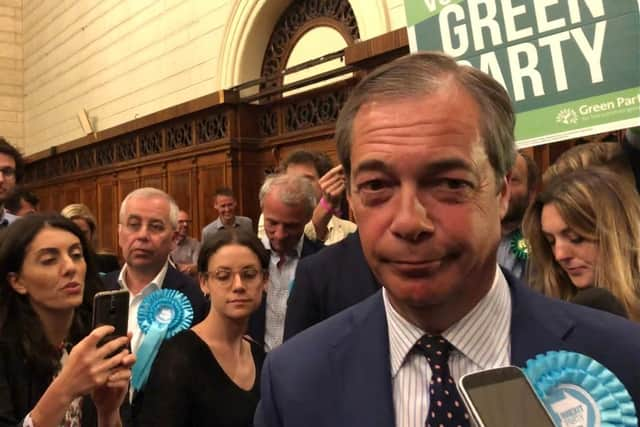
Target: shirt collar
pixel 219 225
pixel 155 284
pixel 7 218
pixel 493 312
pixel 296 252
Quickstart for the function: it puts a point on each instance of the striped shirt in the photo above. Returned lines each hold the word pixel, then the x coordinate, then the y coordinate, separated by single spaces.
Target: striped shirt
pixel 281 275
pixel 481 340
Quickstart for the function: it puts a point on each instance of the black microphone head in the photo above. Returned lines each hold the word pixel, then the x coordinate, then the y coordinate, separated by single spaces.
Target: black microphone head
pixel 600 299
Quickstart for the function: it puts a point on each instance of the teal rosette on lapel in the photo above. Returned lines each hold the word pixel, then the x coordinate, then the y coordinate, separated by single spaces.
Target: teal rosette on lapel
pixel 579 391
pixel 161 315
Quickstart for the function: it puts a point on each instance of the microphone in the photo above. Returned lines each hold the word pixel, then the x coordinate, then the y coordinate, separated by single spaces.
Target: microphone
pixel 600 299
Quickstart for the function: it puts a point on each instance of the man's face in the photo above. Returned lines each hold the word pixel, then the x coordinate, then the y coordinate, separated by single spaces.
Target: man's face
pixel 426 201
pixel 145 233
pixel 26 208
pixel 519 193
pixel 306 170
pixel 183 224
pixel 283 224
pixel 226 208
pixel 7 176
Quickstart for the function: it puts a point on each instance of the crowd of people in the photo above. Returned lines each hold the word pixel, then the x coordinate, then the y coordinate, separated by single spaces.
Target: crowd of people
pixel 311 319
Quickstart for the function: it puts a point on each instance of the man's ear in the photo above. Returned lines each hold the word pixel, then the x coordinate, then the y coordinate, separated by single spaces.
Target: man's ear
pixel 16 283
pixel 503 196
pixel 353 212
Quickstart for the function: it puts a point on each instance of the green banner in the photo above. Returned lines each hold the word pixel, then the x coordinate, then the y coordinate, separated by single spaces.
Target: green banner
pixel 554 57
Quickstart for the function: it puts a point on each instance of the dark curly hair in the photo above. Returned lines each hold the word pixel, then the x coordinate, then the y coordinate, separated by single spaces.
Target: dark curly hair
pixel 19 323
pixel 11 151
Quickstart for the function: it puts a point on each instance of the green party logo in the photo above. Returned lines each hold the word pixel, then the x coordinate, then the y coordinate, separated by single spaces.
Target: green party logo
pixel 567 116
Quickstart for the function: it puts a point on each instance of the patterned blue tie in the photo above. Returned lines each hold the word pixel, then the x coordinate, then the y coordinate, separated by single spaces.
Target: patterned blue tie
pixel 446 408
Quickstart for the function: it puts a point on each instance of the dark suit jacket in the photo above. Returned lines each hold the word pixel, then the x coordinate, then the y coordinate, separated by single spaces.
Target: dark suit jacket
pixel 337 373
pixel 173 280
pixel 327 283
pixel 258 318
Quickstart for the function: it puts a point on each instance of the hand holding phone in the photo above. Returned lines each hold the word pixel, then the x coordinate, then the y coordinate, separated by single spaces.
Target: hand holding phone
pixel 111 308
pixel 503 397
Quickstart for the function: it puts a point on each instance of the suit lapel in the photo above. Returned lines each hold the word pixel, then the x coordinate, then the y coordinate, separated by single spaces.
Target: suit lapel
pixel 360 358
pixel 536 326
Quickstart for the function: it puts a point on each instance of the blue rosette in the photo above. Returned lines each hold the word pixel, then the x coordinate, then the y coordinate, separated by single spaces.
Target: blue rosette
pixel 161 315
pixel 579 391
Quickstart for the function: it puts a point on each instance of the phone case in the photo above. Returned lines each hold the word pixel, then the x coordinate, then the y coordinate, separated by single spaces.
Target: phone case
pixel 111 308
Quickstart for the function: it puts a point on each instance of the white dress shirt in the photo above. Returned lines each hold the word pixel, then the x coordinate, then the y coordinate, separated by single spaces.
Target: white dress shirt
pixel 136 299
pixel 481 340
pixel 280 281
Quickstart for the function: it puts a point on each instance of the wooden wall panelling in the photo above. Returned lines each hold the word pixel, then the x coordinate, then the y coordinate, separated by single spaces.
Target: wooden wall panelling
pixel 45 194
pixel 128 181
pixel 182 186
pixel 107 213
pixel 89 195
pixel 154 176
pixel 211 175
pixel 70 194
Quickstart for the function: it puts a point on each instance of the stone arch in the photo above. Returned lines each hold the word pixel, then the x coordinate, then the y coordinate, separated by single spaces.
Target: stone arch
pixel 253 24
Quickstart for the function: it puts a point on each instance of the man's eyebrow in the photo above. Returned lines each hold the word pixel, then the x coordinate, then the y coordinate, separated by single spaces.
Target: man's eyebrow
pixel 372 165
pixel 433 168
pixel 448 164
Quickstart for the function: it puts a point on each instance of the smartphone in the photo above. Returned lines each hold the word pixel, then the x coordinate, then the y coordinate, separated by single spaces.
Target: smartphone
pixel 503 397
pixel 111 308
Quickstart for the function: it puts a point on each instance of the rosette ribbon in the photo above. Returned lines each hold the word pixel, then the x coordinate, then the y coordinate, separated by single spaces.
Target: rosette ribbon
pixel 519 246
pixel 161 315
pixel 579 391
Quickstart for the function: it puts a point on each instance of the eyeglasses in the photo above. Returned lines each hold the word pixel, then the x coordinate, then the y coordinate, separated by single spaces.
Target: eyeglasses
pixel 8 172
pixel 249 276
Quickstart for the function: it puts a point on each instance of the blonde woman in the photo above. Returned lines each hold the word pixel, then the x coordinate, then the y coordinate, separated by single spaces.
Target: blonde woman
pixel 584 232
pixel 81 215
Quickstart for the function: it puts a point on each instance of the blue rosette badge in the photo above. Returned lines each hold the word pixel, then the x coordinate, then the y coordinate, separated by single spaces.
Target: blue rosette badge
pixel 161 315
pixel 579 391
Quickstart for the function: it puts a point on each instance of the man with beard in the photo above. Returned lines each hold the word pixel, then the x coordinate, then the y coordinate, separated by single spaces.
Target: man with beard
pixel 11 173
pixel 512 252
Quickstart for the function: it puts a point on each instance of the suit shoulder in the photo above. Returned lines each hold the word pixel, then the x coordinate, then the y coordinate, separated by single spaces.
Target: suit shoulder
pixel 314 342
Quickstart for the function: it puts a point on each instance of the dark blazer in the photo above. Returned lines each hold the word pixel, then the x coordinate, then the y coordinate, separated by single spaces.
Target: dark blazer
pixel 327 283
pixel 173 280
pixel 21 389
pixel 258 319
pixel 337 373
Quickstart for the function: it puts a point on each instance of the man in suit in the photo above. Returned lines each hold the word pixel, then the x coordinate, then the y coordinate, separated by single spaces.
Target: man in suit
pixel 328 282
pixel 148 220
pixel 426 145
pixel 224 202
pixel 523 184
pixel 11 174
pixel 287 202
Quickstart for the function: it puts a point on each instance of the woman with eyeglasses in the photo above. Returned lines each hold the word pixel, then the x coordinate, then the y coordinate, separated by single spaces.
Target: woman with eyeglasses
pixel 209 375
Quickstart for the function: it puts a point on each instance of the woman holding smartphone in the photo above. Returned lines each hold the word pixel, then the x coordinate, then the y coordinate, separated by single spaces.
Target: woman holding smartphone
pixel 48 364
pixel 209 375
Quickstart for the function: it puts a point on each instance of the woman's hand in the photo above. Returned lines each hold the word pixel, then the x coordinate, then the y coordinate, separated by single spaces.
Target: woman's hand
pixel 109 397
pixel 89 366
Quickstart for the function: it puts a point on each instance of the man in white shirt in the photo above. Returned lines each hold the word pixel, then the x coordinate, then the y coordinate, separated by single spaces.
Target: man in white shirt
pixel 148 220
pixel 427 145
pixel 287 202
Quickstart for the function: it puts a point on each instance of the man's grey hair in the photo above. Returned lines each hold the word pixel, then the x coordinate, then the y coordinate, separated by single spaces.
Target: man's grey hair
pixel 293 190
pixel 423 74
pixel 151 193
